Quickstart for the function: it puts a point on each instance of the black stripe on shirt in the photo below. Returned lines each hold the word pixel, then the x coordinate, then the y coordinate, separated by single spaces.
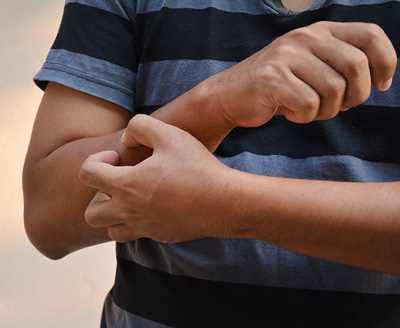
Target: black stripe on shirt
pixel 214 34
pixel 97 33
pixel 180 301
pixel 367 132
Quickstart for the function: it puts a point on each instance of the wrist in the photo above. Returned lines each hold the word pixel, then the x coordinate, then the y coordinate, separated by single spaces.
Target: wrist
pixel 236 219
pixel 211 100
pixel 199 112
pixel 212 93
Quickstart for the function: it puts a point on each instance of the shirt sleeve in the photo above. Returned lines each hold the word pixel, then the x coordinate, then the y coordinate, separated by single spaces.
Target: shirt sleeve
pixel 94 51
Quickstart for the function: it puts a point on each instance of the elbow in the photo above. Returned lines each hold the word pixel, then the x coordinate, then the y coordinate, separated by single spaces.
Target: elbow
pixel 39 237
pixel 36 217
pixel 37 222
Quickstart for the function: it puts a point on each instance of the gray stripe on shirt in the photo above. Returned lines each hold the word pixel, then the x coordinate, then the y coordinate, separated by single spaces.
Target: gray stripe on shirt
pixel 90 75
pixel 173 78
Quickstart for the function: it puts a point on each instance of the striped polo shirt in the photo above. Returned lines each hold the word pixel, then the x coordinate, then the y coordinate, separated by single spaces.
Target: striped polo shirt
pixel 142 54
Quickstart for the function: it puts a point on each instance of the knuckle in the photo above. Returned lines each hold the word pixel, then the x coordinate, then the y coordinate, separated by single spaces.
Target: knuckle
pixel 311 104
pixel 374 31
pixel 274 74
pixel 267 71
pixel 304 33
pixel 358 64
pixel 311 34
pixel 337 87
pixel 286 50
pixel 310 108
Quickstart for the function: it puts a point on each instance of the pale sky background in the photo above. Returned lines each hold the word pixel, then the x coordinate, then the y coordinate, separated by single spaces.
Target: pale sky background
pixel 35 291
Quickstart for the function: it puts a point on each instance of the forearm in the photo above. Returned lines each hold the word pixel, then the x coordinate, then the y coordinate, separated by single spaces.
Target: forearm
pixel 351 223
pixel 192 195
pixel 55 199
pixel 198 112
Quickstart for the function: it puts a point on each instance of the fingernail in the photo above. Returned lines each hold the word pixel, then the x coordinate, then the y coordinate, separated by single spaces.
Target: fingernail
pixel 123 136
pixel 386 85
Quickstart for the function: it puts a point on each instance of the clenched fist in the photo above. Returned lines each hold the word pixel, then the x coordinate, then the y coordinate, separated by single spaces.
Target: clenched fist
pixel 308 74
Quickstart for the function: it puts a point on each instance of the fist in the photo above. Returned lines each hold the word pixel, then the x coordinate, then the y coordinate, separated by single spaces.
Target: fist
pixel 308 74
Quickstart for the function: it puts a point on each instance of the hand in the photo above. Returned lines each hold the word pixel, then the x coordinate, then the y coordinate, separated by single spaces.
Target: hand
pixel 173 196
pixel 308 74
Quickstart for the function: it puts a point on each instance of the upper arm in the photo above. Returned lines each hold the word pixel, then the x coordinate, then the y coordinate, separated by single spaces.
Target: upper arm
pixel 69 126
pixel 66 115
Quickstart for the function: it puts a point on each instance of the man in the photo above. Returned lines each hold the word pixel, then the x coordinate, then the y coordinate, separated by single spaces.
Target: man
pixel 300 213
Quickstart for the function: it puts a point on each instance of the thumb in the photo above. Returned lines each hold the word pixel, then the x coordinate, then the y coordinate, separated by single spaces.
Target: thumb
pixel 148 131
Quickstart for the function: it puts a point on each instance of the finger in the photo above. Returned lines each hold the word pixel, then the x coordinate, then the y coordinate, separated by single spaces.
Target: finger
pixel 373 41
pixel 327 82
pixel 98 170
pixel 100 213
pixel 129 140
pixel 298 101
pixel 352 64
pixel 150 132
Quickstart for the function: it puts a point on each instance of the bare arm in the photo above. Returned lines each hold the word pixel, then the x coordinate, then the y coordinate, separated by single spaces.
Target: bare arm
pixel 191 195
pixel 356 224
pixel 70 126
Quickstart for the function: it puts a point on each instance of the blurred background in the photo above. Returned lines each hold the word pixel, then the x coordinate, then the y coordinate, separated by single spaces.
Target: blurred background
pixel 35 291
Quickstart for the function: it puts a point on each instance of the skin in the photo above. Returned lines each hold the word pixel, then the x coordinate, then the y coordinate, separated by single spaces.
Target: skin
pixel 64 135
pixel 133 201
pixel 297 5
pixel 183 193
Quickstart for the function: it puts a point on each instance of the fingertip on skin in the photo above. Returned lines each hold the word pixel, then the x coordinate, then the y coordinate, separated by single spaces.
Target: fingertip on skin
pixel 144 130
pixel 103 196
pixel 128 138
pixel 129 142
pixel 109 157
